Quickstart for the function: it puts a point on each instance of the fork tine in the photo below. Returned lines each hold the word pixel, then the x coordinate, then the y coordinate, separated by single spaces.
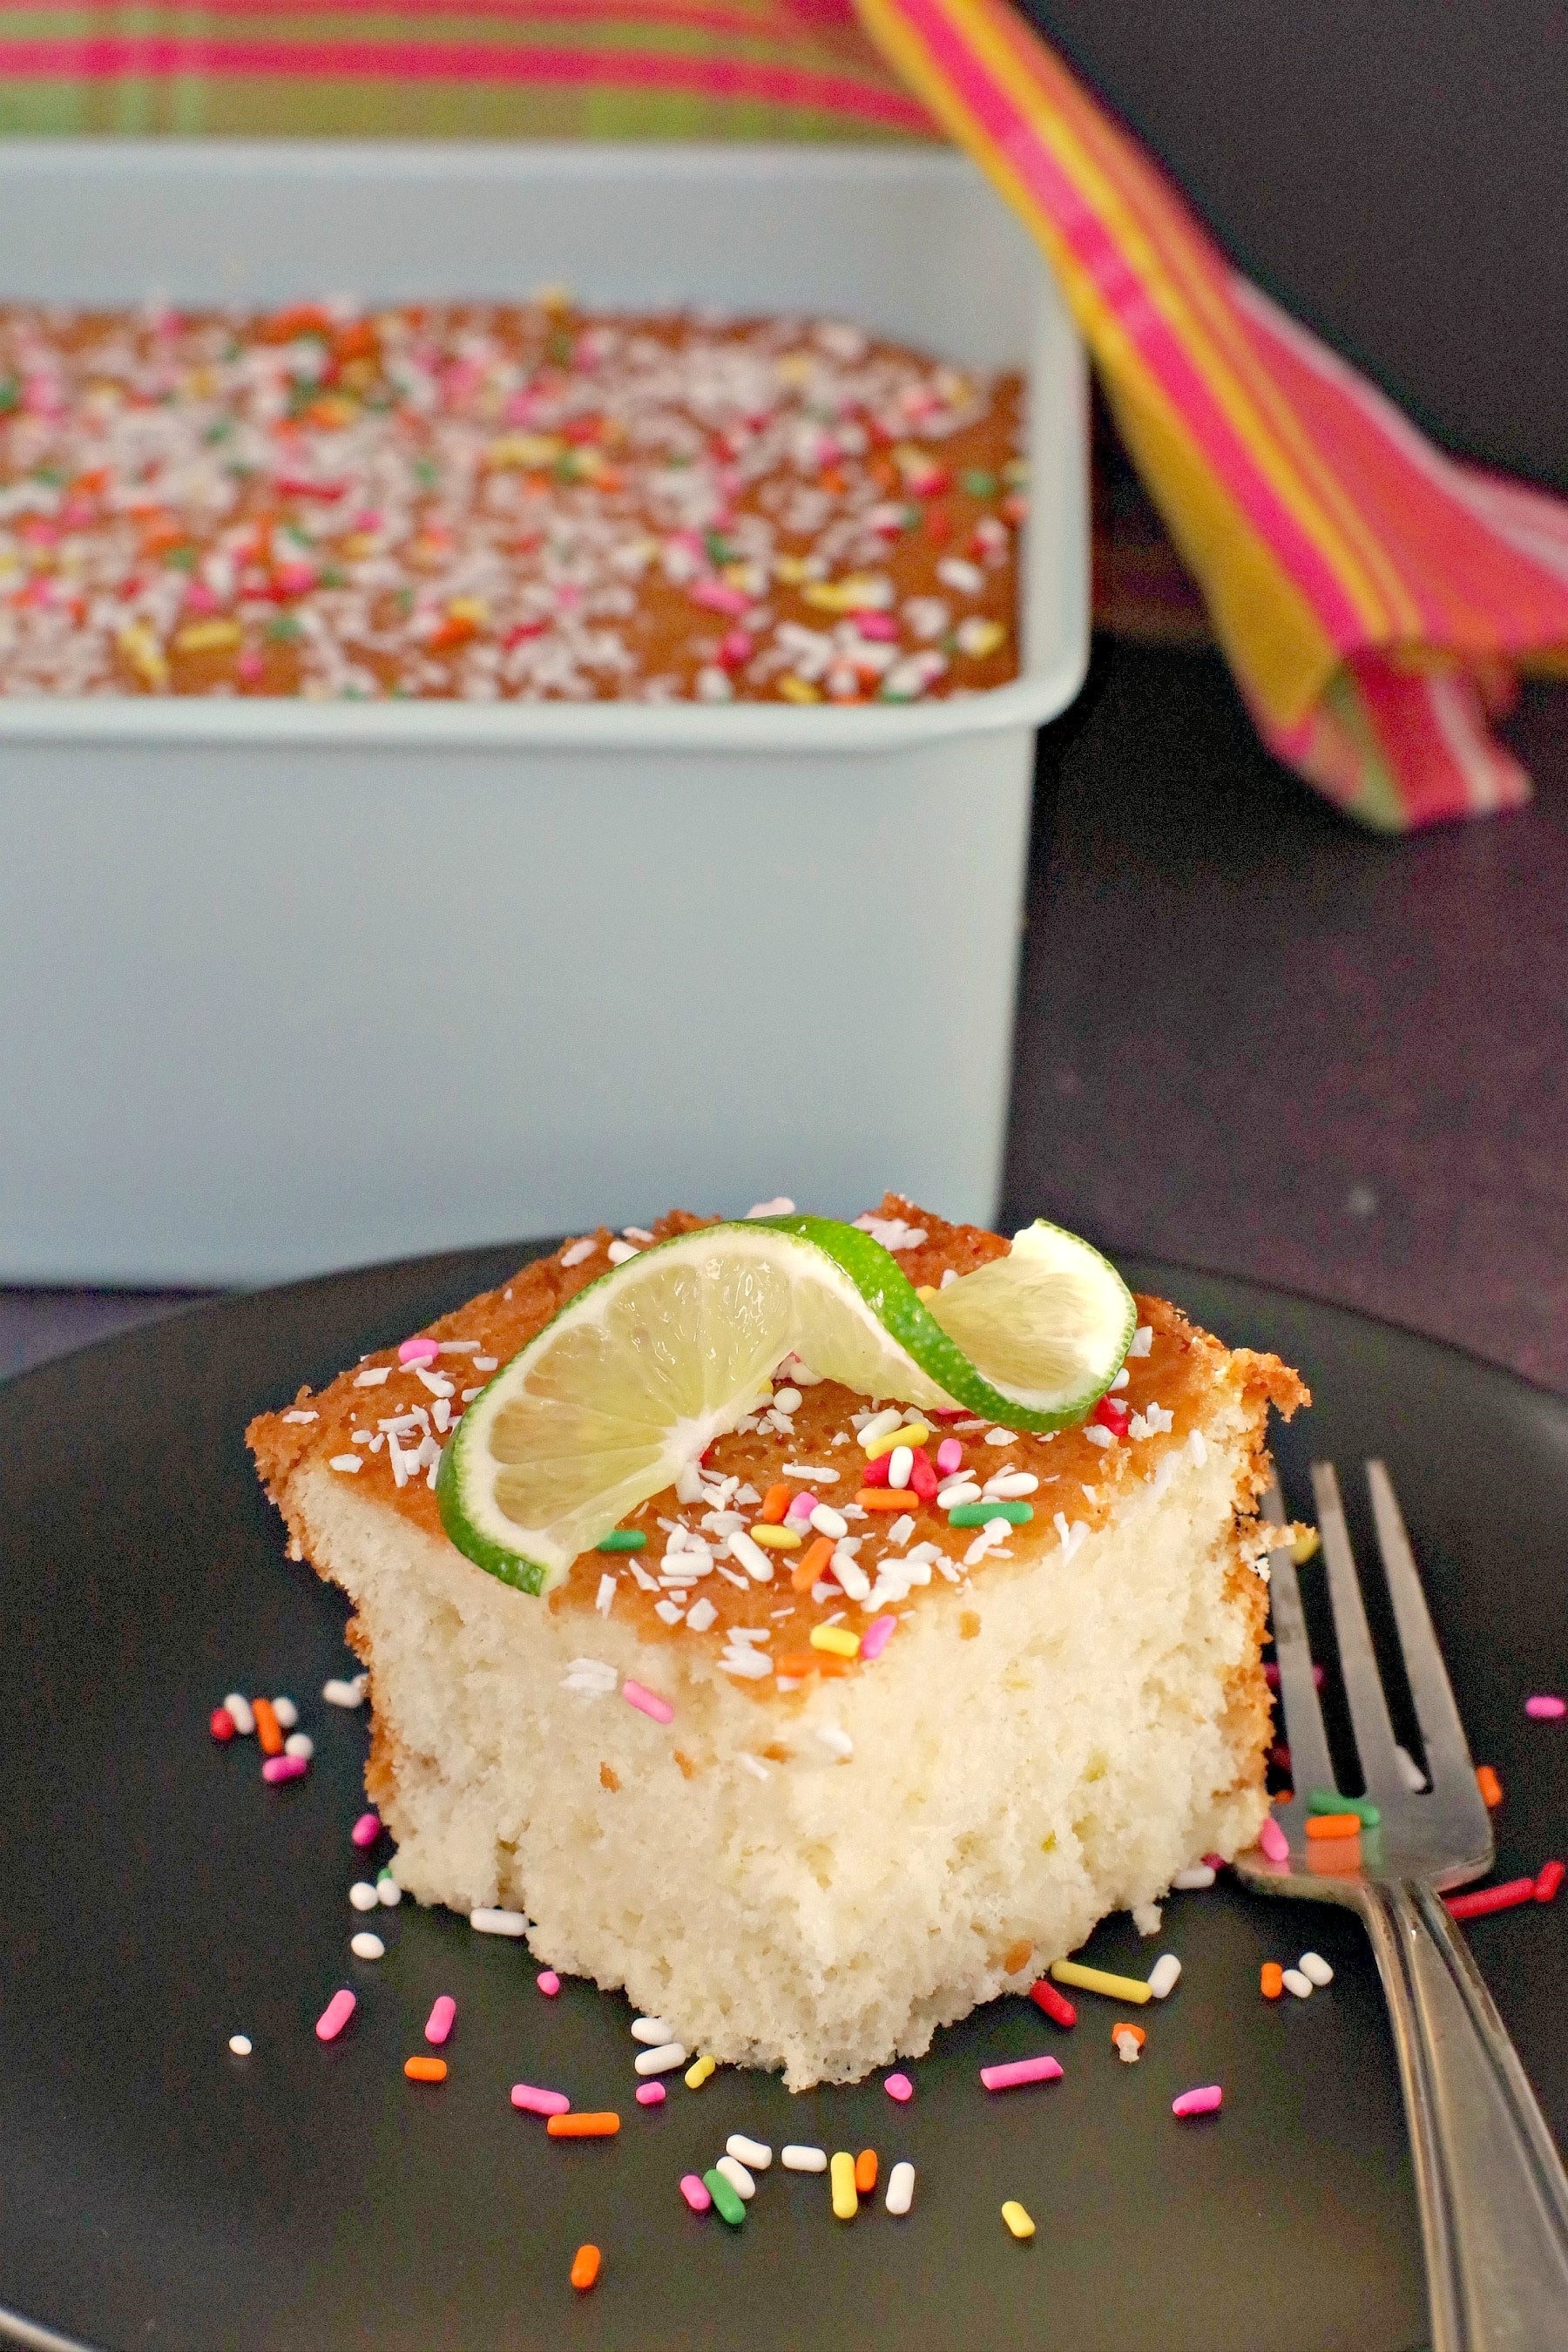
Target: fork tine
pixel 1448 1749
pixel 1358 1660
pixel 1309 1764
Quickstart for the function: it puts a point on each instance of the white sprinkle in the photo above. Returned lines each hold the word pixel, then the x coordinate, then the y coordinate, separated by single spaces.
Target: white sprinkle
pixel 1315 1968
pixel 1010 1486
pixel 735 2173
pixel 1142 1340
pixel 482 1364
pixel 752 2152
pixel 796 2157
pixel 1410 1772
pixel 826 1521
pixel 1164 1976
pixel 372 1380
pixel 619 1252
pixel 879 1424
pixel 361 1894
pixel 753 1764
pixel 1200 1874
pixel 1301 1986
pixel 900 1461
pixel 240 1711
pixel 962 1490
pixel 651 2031
pixel 287 1416
pixel 638 1233
pixel 787 1399
pixel 851 1576
pixel 240 2044
pixel 366 1947
pixel 750 1555
pixel 661 2058
pixel 836 1741
pixel 286 1711
pixel 604 1599
pixel 1197 1448
pixel 299 1743
pixel 779 1208
pixel 811 1473
pixel 345 1462
pixel 900 2188
pixel 388 1893
pixel 578 1250
pixel 701 1615
pixel 1001 1437
pixel 490 1920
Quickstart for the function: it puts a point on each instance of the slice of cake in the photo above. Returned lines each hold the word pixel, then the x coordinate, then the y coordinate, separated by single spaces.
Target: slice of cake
pixel 799 1858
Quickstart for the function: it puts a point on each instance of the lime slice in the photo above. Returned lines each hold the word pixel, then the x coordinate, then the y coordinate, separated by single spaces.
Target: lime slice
pixel 644 1367
pixel 1048 1324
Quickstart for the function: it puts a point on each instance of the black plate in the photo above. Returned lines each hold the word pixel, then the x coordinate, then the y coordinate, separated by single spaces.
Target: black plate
pixel 155 1898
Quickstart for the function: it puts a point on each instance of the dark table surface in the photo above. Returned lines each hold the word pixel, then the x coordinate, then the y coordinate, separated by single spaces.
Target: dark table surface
pixel 1252 1037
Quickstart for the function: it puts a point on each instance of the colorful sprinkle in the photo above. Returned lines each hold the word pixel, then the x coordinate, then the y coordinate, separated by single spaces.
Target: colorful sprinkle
pixel 1017 2219
pixel 1127 2040
pixel 726 2204
pixel 532 2101
pixel 1273 1839
pixel 442 2018
pixel 269 1731
pixel 1019 2071
pixel 1490 1787
pixel 841 2176
pixel 1270 1980
pixel 866 2172
pixel 1546 1707
pixel 622 1540
pixel 697 2073
pixel 1329 1801
pixel 1548 1881
pixel 949 1457
pixel 1324 1828
pixel 836 1640
pixel 420 1351
pixel 771 1538
pixel 1054 2004
pixel 696 2192
pixel 1073 1972
pixel 1503 1898
pixel 366 1830
pixel 285 1767
pixel 586 2264
pixel 420 2069
pixel 336 2015
pixel 548 1983
pixel 651 2095
pixel 576 2125
pixel 647 1702
pixel 221 1724
pixel 899 2087
pixel 981 1514
pixel 1202 2101
pixel 877 1636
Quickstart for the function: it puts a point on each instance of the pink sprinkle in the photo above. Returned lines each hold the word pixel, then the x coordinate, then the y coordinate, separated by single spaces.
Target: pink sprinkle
pixel 1272 1675
pixel 1019 2071
pixel 717 596
pixel 417 1352
pixel 250 665
pixel 649 1702
pixel 336 2015
pixel 695 2194
pixel 879 627
pixel 538 2103
pixel 1198 2103
pixel 548 1983
pixel 1273 1841
pixel 735 647
pixel 1215 1861
pixel 949 1457
pixel 899 2087
pixel 366 1830
pixel 285 1767
pixel 878 1635
pixel 802 1506
pixel 442 2017
pixel 650 2095
pixel 1545 1707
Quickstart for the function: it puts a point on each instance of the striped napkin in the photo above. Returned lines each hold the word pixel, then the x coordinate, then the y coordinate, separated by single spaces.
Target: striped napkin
pixel 1376 601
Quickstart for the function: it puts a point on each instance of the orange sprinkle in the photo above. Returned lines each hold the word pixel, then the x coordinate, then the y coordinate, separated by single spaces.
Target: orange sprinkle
pixel 425 2070
pixel 866 2171
pixel 269 1731
pixel 579 2126
pixel 1487 1781
pixel 775 1503
pixel 888 1498
pixel 800 1663
pixel 1124 2025
pixel 585 2267
pixel 1272 1981
pixel 1334 1825
pixel 812 1565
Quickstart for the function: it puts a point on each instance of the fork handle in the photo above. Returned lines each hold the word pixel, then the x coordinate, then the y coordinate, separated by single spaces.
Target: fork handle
pixel 1492 2190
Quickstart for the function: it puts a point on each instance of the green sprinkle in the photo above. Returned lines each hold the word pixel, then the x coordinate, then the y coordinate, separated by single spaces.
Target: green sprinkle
pixel 283 628
pixel 979 485
pixel 726 2204
pixel 427 472
pixel 974 1515
pixel 622 1540
pixel 1329 1801
pixel 10 395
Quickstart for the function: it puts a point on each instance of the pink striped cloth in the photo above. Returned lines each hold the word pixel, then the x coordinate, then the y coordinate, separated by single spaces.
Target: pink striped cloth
pixel 1376 601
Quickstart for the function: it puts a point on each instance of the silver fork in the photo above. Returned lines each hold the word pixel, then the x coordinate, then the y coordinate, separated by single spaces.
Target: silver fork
pixel 1492 2190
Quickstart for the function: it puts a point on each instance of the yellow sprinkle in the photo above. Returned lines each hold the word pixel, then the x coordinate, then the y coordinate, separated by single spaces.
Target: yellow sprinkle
pixel 1018 2221
pixel 837 1638
pixel 525 449
pixel 207 636
pixel 1072 1972
pixel 144 654
pixel 468 608
pixel 697 2073
pixel 858 594
pixel 790 569
pixel 978 637
pixel 846 2198
pixel 913 1434
pixel 774 1539
pixel 359 544
pixel 794 368
pixel 798 689
pixel 1306 1546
